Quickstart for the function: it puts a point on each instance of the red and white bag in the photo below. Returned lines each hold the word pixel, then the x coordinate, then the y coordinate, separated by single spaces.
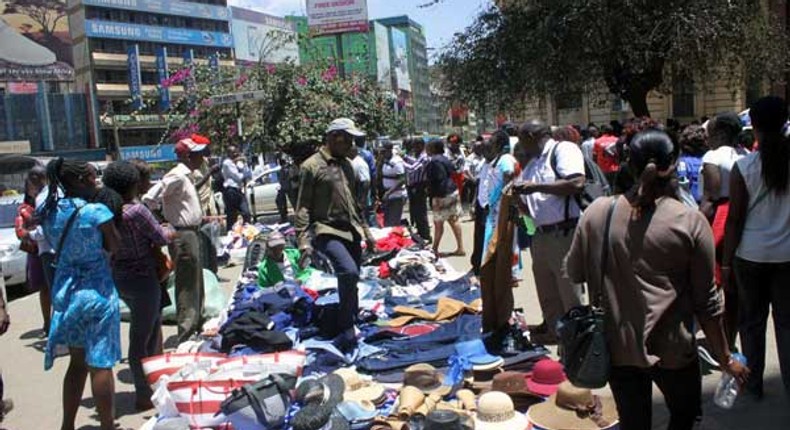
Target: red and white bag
pixel 290 362
pixel 199 401
pixel 170 363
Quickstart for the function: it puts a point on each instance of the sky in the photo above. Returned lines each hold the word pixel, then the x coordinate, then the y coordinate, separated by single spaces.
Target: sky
pixel 440 21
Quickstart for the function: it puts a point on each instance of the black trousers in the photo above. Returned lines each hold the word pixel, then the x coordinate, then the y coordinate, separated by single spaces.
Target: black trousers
pixel 282 205
pixel 345 258
pixel 762 286
pixel 633 392
pixel 235 205
pixel 481 214
pixel 418 211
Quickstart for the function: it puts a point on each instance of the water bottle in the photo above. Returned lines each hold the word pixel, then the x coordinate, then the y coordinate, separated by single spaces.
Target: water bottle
pixel 728 388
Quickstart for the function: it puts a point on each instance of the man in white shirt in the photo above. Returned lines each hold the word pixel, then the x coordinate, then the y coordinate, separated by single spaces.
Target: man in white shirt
pixel 234 173
pixel 550 182
pixel 362 176
pixel 481 204
pixel 180 204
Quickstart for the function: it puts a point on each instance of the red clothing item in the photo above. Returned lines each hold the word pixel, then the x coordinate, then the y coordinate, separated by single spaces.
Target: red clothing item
pixel 395 241
pixel 607 162
pixel 719 224
pixel 24 222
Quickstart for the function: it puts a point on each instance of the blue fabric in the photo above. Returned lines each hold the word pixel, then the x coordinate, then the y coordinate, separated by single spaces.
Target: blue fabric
pixel 689 171
pixel 84 299
pixel 505 166
pixel 288 298
pixel 460 289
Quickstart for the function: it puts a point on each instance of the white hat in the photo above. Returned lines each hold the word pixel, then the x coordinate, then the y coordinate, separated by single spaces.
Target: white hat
pixel 495 411
pixel 347 125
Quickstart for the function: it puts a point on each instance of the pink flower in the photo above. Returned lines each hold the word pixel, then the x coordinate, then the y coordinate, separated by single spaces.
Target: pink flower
pixel 232 130
pixel 355 90
pixel 330 74
pixel 302 81
pixel 271 68
pixel 194 113
pixel 242 80
pixel 207 102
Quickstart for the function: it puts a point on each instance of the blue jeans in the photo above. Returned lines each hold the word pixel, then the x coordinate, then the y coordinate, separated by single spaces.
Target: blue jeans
pixel 345 258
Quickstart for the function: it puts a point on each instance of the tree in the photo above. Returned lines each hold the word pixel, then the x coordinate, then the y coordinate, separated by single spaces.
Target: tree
pixel 534 48
pixel 46 13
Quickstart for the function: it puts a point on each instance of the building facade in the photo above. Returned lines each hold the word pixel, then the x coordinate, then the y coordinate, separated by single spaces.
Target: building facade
pixel 104 31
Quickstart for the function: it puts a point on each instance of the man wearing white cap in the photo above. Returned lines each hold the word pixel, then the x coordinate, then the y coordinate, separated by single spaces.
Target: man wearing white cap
pixel 329 217
pixel 180 204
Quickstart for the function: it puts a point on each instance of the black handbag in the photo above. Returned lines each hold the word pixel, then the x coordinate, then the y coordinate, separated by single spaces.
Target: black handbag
pixel 582 338
pixel 262 405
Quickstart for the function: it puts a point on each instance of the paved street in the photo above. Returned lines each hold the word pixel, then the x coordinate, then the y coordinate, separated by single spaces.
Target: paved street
pixel 37 393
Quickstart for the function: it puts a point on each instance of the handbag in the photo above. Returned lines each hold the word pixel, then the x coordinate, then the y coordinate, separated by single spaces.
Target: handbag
pixel 170 363
pixel 582 338
pixel 263 405
pixel 199 401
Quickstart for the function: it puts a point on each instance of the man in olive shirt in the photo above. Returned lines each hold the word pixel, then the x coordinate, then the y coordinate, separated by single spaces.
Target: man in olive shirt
pixel 328 218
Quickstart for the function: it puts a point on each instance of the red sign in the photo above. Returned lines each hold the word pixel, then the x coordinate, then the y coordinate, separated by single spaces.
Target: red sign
pixel 22 87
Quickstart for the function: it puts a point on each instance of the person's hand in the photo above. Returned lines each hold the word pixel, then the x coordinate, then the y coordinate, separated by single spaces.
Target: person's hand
pixel 5 321
pixel 522 187
pixel 306 257
pixel 737 370
pixel 215 169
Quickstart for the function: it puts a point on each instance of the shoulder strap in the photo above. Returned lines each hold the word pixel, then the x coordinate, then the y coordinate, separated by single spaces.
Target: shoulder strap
pixel 553 162
pixel 66 230
pixel 605 252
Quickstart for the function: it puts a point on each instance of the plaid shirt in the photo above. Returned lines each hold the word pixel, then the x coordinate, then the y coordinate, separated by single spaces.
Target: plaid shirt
pixel 416 172
pixel 139 233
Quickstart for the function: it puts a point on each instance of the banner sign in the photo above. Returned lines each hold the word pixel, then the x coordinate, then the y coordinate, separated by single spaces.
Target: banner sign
pixel 213 63
pixel 59 71
pixel 337 16
pixel 261 37
pixel 150 153
pixel 166 7
pixel 148 33
pixel 383 65
pixel 162 74
pixel 238 97
pixel 135 80
pixel 400 52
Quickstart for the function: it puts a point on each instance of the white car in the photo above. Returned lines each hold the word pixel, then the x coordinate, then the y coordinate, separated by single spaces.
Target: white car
pixel 12 259
pixel 261 193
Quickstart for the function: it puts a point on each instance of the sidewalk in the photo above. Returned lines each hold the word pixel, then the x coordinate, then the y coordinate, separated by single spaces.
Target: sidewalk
pixel 37 394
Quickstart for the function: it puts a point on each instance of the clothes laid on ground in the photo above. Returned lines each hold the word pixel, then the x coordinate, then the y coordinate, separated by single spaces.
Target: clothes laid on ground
pixel 271 273
pixel 446 309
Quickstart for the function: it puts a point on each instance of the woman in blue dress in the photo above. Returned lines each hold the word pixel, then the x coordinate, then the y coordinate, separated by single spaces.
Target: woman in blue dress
pixel 86 317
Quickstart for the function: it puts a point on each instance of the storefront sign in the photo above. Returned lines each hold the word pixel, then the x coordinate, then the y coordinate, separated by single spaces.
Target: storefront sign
pixel 150 154
pixel 165 7
pixel 15 147
pixel 337 16
pixel 22 88
pixel 60 72
pixel 148 33
pixel 238 97
pixel 135 81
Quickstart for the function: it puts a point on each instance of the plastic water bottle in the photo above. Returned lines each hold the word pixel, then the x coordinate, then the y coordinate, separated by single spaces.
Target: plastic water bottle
pixel 728 388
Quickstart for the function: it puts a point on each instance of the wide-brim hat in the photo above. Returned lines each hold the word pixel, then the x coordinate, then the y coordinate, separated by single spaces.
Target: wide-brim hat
pixel 573 408
pixel 546 377
pixel 426 378
pixel 359 389
pixel 495 411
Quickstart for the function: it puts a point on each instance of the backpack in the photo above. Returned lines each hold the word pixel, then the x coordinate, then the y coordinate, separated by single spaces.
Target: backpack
pixel 595 184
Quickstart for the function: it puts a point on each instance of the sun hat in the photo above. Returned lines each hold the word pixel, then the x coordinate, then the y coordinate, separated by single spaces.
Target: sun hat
pixel 495 411
pixel 573 408
pixel 345 124
pixel 327 390
pixel 359 388
pixel 193 143
pixel 426 378
pixel 546 377
pixel 475 352
pixel 442 420
pixel 275 239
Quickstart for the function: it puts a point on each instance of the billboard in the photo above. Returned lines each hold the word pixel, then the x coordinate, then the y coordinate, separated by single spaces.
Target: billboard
pixel 149 153
pixel 261 37
pixel 400 55
pixel 147 33
pixel 356 53
pixel 166 7
pixel 383 64
pixel 337 16
pixel 36 45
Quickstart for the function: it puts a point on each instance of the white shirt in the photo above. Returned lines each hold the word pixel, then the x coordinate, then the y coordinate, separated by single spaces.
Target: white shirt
pixel 723 157
pixel 234 174
pixel 178 198
pixel 492 179
pixel 587 148
pixel 361 169
pixel 766 234
pixel 394 167
pixel 474 164
pixel 548 209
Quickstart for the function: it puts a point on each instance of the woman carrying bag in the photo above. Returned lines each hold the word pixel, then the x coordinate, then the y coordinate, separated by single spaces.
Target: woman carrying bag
pixel 658 278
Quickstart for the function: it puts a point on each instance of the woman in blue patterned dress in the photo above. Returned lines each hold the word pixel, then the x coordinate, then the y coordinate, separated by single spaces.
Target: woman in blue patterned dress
pixel 86 318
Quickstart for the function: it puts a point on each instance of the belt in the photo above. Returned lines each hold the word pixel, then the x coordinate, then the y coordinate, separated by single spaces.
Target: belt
pixel 190 228
pixel 562 225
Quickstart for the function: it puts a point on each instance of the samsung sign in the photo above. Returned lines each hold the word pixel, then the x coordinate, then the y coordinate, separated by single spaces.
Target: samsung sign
pixel 147 33
pixel 166 7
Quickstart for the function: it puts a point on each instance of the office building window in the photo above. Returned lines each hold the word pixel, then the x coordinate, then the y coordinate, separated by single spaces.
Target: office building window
pixel 683 97
pixel 569 101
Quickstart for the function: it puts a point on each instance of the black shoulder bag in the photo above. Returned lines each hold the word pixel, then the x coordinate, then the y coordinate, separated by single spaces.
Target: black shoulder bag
pixel 65 234
pixel 582 337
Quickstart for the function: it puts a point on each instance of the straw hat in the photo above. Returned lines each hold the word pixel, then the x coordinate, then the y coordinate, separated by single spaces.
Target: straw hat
pixel 495 411
pixel 359 388
pixel 572 408
pixel 426 378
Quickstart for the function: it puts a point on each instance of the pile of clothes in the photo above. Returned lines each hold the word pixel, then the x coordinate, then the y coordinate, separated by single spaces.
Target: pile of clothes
pixel 270 360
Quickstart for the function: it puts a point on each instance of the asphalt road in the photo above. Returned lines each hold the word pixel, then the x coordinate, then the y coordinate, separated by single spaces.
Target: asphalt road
pixel 37 397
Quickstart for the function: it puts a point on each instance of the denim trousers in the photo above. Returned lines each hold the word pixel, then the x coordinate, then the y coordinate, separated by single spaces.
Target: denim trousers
pixel 190 293
pixel 632 388
pixel 345 258
pixel 418 211
pixel 762 286
pixel 143 297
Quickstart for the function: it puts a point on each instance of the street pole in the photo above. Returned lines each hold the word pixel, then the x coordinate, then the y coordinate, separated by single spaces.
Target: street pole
pixel 341 64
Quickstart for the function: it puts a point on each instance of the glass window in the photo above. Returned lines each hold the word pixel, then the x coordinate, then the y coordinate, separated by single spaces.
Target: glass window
pixel 683 97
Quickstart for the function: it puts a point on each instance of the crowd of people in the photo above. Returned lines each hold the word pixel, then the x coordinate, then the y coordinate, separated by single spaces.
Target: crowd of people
pixel 698 223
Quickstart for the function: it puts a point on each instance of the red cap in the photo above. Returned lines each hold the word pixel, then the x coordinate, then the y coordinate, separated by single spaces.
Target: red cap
pixel 194 143
pixel 546 377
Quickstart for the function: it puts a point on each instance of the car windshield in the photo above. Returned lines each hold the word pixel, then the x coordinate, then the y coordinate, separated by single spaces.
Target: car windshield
pixel 8 214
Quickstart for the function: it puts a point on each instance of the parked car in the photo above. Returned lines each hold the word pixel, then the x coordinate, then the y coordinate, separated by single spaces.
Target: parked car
pixel 261 192
pixel 12 259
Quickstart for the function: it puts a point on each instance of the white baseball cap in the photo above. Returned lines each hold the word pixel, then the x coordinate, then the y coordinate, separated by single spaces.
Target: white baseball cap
pixel 347 125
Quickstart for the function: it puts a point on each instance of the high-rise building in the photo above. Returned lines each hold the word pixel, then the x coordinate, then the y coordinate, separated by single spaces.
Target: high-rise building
pixel 104 32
